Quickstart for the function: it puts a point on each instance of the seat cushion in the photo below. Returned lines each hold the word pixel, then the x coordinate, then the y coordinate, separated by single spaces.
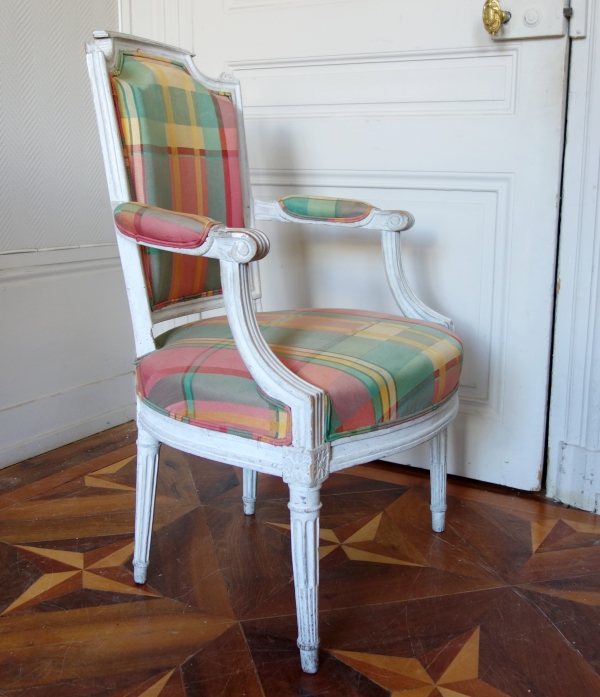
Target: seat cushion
pixel 376 369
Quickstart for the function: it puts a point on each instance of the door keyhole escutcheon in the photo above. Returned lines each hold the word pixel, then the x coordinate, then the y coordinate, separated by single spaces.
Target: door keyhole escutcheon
pixel 494 16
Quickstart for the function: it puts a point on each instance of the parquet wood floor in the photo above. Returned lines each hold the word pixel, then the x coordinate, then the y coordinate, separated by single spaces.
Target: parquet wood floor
pixel 505 603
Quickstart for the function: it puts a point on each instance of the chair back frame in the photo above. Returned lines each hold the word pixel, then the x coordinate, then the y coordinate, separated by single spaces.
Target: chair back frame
pixel 103 57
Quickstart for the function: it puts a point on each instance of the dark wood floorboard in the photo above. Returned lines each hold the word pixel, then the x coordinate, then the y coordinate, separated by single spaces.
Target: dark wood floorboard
pixel 504 603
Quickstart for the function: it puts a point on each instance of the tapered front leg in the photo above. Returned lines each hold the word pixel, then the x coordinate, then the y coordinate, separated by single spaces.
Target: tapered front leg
pixel 304 508
pixel 249 490
pixel 438 480
pixel 145 491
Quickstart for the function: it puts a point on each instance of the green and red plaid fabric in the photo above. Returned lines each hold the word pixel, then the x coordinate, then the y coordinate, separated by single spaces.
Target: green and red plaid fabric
pixel 181 149
pixel 333 210
pixel 157 226
pixel 376 369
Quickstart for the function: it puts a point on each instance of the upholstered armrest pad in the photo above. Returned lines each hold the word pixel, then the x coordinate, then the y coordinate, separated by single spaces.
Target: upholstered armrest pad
pixel 161 227
pixel 332 210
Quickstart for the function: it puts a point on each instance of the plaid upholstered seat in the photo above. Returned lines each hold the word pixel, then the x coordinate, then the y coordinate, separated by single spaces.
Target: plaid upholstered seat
pixel 376 369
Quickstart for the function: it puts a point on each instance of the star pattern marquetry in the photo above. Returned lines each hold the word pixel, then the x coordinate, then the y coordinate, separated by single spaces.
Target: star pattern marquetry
pixel 66 571
pixel 400 536
pixel 452 671
pixel 108 478
pixel 544 530
pixel 361 545
pixel 157 686
pixel 218 613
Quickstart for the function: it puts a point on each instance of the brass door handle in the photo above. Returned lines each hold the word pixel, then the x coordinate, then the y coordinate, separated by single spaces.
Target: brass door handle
pixel 494 16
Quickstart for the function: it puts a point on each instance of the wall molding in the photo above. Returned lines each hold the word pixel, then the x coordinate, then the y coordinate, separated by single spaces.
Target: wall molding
pixel 574 429
pixel 486 397
pixel 33 267
pixel 383 84
pixel 57 419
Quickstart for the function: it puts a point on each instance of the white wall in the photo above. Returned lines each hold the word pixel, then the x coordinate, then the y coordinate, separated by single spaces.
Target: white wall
pixel 67 349
pixel 574 445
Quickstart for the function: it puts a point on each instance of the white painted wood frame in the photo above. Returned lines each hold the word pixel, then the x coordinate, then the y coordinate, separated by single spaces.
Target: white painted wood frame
pixel 308 461
pixel 574 431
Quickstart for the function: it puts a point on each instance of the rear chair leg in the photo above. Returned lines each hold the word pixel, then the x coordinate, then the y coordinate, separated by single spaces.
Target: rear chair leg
pixel 304 508
pixel 438 480
pixel 249 490
pixel 147 469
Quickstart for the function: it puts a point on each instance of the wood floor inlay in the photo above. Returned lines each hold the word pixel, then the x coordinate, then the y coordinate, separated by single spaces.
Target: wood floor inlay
pixel 504 603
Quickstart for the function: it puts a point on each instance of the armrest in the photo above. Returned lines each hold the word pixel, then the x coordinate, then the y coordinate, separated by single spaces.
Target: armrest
pixel 332 211
pixel 158 227
pixel 339 211
pixel 185 233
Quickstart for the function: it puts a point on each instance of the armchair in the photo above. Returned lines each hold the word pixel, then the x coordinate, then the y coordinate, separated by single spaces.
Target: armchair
pixel 296 394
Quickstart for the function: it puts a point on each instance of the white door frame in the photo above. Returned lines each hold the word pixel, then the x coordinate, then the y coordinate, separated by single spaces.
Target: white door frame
pixel 574 429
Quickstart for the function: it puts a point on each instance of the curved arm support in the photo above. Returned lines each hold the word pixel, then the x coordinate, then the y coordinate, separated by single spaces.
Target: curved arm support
pixel 405 298
pixel 306 402
pixel 375 220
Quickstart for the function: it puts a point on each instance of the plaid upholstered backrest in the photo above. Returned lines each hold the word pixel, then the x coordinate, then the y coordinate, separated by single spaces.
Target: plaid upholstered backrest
pixel 180 143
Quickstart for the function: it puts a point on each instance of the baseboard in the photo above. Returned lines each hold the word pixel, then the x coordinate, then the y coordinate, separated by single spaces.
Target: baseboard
pixel 50 422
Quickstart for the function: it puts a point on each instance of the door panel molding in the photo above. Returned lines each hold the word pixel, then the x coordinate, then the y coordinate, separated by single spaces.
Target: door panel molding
pixel 480 204
pixel 479 81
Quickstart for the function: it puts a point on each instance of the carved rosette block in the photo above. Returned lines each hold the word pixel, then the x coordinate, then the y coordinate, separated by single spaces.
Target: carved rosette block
pixel 145 491
pixel 306 467
pixel 304 508
pixel 437 454
pixel 249 489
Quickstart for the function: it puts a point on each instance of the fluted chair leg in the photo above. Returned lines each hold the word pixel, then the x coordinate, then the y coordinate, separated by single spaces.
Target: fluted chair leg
pixel 304 508
pixel 147 469
pixel 249 490
pixel 438 480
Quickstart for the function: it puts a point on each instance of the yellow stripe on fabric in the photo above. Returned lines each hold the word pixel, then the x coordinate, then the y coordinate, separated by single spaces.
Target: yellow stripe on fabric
pixel 450 348
pixel 170 130
pixel 200 274
pixel 322 326
pixel 176 275
pixel 440 355
pixel 198 143
pixel 132 133
pixel 378 331
pixel 250 422
pixel 381 377
pixel 282 424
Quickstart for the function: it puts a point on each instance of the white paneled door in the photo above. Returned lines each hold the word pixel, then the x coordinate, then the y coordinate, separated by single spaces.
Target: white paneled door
pixel 410 105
